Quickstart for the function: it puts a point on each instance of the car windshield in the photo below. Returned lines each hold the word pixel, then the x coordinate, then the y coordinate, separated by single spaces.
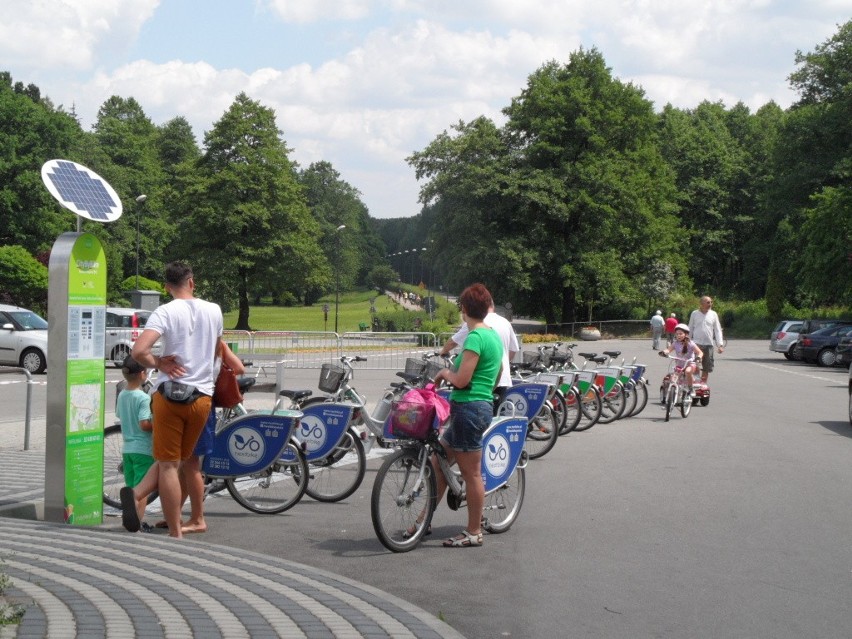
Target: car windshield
pixel 28 320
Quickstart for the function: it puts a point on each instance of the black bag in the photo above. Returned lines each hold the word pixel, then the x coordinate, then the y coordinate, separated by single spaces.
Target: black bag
pixel 179 393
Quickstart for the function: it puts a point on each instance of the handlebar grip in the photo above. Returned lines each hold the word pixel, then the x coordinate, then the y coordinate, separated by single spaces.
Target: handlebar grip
pixel 359 358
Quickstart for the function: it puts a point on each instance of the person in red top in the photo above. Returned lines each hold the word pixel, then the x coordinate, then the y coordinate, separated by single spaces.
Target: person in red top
pixel 671 322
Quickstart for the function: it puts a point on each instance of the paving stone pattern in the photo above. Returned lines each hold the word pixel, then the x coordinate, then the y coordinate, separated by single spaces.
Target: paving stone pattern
pixel 93 582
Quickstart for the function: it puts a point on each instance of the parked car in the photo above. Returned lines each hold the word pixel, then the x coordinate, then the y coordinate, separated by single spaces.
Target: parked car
pixel 23 339
pixel 820 345
pixel 850 395
pixel 843 352
pixel 783 337
pixel 811 326
pixel 123 326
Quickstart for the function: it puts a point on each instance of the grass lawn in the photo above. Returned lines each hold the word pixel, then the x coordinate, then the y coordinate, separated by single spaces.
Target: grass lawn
pixel 354 308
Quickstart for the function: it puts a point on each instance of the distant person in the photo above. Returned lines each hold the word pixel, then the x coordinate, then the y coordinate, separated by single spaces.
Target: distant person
pixel 671 322
pixel 706 331
pixel 191 331
pixel 657 326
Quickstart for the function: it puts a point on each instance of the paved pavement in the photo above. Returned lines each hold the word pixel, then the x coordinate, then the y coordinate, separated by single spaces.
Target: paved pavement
pixel 105 582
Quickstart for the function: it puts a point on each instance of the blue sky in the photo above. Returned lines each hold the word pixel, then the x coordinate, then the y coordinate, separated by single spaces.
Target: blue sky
pixel 364 83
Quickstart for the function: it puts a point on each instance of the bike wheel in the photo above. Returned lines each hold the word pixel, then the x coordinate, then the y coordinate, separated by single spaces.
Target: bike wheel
pixel 340 473
pixel 504 504
pixel 613 404
pixel 641 397
pixel 114 467
pixel 275 489
pixel 671 396
pixel 590 407
pixel 557 403
pixel 573 411
pixel 542 433
pixel 630 399
pixel 685 403
pixel 397 500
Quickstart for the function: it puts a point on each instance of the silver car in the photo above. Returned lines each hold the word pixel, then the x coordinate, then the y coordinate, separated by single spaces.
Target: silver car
pixel 23 339
pixel 123 326
pixel 783 337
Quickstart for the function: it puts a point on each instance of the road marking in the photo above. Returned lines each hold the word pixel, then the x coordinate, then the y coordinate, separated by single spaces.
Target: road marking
pixel 787 370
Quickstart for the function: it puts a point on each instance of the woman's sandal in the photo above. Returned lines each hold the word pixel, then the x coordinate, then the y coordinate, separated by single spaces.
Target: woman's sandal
pixel 411 530
pixel 464 540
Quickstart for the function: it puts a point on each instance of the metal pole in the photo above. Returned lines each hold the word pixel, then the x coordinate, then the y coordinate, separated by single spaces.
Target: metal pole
pixel 140 201
pixel 337 277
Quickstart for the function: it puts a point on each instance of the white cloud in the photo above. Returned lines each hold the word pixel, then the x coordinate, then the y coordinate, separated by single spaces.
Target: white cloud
pixel 305 11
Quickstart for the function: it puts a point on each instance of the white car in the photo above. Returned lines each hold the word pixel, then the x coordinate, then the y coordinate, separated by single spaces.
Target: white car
pixel 23 339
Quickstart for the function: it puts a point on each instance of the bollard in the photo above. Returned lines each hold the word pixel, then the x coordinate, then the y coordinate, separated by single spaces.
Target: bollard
pixel 28 409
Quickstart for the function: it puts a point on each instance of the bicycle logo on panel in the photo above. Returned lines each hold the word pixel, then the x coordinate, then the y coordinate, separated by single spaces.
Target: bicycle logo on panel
pixel 497 456
pixel 311 433
pixel 245 447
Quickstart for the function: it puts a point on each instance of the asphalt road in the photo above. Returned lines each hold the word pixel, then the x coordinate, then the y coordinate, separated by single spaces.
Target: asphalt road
pixel 730 523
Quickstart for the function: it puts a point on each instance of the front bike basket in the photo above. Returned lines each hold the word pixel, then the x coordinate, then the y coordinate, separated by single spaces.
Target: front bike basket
pixel 414 366
pixel 331 375
pixel 433 367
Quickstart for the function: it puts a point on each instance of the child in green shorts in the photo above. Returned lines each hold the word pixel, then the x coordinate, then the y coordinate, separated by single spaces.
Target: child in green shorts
pixel 133 409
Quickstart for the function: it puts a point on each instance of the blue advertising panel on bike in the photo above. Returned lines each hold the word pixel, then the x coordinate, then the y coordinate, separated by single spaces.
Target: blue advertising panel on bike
pixel 526 398
pixel 322 427
pixel 502 446
pixel 250 444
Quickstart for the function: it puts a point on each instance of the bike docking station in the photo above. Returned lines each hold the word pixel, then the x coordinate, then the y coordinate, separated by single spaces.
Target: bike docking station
pixel 77 276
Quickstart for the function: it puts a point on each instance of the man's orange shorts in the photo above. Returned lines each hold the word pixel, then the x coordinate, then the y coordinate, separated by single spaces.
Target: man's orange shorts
pixel 177 426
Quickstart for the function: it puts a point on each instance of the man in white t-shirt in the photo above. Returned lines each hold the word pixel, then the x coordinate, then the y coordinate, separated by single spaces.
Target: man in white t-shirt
pixel 705 330
pixel 507 336
pixel 190 330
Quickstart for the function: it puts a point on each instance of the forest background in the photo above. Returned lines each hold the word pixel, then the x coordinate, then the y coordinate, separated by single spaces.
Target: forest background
pixel 585 203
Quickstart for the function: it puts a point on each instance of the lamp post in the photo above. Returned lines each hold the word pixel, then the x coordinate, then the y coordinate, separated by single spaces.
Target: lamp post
pixel 140 200
pixel 337 276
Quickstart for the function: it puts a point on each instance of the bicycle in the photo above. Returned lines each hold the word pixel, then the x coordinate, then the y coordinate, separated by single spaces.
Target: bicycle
pixel 674 391
pixel 405 489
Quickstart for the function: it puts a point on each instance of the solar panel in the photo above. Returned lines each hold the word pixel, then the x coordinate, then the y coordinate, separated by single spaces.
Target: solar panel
pixel 81 190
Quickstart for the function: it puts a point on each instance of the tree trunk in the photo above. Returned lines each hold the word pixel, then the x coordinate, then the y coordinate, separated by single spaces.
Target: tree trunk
pixel 569 303
pixel 243 317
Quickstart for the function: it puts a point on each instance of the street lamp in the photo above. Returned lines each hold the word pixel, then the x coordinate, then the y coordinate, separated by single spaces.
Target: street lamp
pixel 337 276
pixel 141 202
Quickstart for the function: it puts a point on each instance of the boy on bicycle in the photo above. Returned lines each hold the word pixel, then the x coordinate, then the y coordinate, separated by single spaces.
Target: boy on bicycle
pixel 686 351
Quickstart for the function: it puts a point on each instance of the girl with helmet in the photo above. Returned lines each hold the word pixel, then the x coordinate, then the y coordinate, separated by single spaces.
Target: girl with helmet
pixel 684 349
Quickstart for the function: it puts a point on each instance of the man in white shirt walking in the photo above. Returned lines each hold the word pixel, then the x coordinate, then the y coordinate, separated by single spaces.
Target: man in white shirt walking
pixel 705 330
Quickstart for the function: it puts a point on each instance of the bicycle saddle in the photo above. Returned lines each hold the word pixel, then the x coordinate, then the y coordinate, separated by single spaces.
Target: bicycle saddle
pixel 245 383
pixel 600 359
pixel 612 353
pixel 296 395
pixel 588 355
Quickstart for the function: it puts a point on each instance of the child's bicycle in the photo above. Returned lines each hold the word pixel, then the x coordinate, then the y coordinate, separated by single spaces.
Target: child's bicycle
pixel 674 389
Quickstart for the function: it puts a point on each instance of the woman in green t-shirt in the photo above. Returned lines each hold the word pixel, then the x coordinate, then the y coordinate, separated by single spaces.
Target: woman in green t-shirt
pixel 473 376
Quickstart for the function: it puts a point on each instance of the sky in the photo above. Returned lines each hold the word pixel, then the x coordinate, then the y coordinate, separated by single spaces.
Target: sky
pixel 363 84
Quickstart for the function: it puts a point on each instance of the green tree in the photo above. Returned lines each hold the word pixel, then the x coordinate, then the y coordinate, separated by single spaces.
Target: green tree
pixel 31 132
pixel 23 279
pixel 244 222
pixel 382 277
pixel 591 184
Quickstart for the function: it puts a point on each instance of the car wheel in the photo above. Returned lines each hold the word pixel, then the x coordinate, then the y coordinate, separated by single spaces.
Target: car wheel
pixel 789 353
pixel 826 357
pixel 119 353
pixel 795 352
pixel 33 361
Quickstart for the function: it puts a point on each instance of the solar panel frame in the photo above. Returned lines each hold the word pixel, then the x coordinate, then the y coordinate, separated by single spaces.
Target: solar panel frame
pixel 81 190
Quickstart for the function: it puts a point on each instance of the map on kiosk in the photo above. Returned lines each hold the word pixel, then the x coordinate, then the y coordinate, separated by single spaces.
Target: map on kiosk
pixel 81 190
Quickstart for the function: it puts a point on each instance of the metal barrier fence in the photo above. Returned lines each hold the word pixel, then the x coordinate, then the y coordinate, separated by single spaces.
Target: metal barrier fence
pixel 304 349
pixel 28 410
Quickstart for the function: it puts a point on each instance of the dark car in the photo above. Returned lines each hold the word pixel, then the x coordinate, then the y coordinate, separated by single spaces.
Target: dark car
pixel 820 345
pixel 811 326
pixel 843 351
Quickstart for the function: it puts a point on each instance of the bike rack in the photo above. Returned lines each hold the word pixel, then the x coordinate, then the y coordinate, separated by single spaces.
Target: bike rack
pixel 5 370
